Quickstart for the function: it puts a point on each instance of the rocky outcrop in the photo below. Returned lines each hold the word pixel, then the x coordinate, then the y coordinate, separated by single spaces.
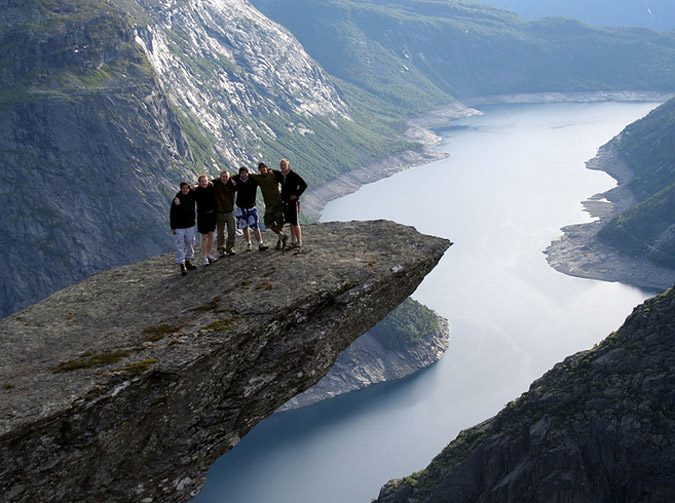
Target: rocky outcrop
pixel 379 356
pixel 598 427
pixel 128 385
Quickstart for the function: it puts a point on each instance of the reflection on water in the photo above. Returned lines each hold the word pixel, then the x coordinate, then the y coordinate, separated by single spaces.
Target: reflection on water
pixel 515 176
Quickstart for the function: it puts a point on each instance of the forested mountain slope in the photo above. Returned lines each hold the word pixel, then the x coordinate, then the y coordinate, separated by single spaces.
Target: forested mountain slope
pixel 648 228
pixel 410 51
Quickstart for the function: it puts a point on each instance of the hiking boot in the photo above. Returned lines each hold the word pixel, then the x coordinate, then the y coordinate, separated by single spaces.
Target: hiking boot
pixel 298 249
pixel 262 247
pixel 212 259
pixel 183 269
pixel 205 261
pixel 284 238
pixel 222 254
pixel 189 266
pixel 230 252
pixel 249 247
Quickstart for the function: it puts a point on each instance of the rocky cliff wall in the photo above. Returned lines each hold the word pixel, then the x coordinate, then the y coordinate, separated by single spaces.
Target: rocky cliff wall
pixel 370 360
pixel 599 426
pixel 90 152
pixel 128 385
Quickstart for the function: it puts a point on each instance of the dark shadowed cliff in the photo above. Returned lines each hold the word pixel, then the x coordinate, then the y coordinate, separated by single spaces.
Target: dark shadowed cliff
pixel 128 385
pixel 599 426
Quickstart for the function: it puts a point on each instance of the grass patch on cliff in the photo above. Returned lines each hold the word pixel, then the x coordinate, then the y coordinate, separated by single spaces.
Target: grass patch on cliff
pixel 221 325
pixel 157 333
pixel 88 360
pixel 210 306
pixel 138 368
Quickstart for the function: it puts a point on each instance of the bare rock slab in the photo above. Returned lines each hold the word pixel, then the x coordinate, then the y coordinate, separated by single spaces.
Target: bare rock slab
pixel 128 385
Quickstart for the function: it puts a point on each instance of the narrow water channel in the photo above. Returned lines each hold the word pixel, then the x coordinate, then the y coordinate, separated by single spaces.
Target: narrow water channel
pixel 516 175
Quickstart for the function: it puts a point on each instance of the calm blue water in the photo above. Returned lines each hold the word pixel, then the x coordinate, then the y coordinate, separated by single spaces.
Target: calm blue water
pixel 515 177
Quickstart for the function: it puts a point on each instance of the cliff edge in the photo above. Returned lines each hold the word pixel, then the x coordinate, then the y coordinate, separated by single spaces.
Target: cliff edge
pixel 128 385
pixel 411 338
pixel 597 427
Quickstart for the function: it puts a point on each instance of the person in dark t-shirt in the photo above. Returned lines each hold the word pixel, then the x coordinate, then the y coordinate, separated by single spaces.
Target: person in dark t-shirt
pixel 206 217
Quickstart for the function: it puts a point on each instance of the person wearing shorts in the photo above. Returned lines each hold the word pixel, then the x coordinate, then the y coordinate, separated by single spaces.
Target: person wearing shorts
pixel 292 187
pixel 274 207
pixel 247 213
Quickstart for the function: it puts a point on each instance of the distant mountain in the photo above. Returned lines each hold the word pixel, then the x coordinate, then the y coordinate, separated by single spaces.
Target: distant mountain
pixel 597 427
pixel 648 228
pixel 414 52
pixel 654 14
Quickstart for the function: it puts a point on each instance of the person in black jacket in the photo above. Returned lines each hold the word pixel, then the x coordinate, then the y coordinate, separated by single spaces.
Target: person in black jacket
pixel 292 187
pixel 225 192
pixel 182 219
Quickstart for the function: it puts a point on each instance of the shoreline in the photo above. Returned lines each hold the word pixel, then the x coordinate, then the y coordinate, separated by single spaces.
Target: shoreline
pixel 577 252
pixel 420 130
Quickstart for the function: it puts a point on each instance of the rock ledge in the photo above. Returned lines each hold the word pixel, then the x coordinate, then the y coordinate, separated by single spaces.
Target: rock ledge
pixel 176 370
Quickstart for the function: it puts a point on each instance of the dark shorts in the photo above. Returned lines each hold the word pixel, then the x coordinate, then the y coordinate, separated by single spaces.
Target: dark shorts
pixel 206 222
pixel 291 211
pixel 274 217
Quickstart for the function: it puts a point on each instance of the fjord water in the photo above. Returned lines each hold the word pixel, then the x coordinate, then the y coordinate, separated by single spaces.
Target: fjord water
pixel 516 175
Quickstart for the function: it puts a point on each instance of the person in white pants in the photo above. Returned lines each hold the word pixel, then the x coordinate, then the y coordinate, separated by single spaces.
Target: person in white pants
pixel 182 217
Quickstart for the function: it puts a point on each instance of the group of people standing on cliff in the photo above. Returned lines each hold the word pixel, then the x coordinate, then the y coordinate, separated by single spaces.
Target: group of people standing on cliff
pixel 215 204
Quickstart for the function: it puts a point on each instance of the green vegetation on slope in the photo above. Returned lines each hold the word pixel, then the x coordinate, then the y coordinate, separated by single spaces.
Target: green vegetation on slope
pixel 79 46
pixel 648 229
pixel 407 325
pixel 414 52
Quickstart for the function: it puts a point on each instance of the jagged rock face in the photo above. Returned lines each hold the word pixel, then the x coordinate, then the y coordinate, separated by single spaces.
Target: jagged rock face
pixel 84 161
pixel 128 385
pixel 234 70
pixel 75 197
pixel 597 427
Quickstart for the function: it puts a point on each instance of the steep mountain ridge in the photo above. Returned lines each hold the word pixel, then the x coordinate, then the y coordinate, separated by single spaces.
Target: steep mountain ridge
pixel 88 139
pixel 597 427
pixel 414 51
